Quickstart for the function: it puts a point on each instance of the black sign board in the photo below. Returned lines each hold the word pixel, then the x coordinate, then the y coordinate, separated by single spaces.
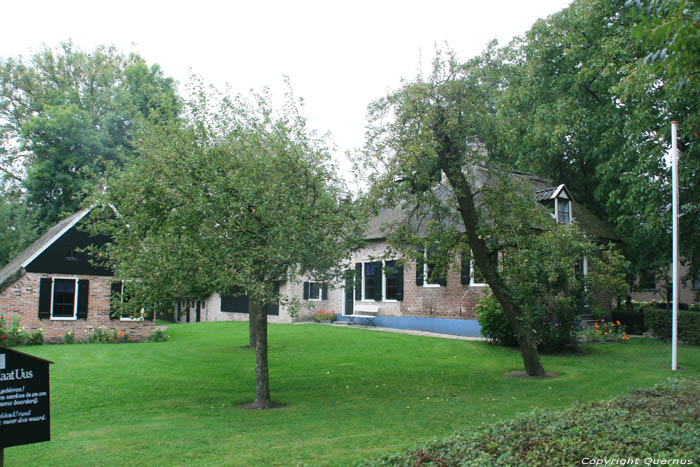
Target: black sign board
pixel 24 399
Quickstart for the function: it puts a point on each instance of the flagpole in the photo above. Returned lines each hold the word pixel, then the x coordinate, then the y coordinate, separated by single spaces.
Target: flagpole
pixel 674 187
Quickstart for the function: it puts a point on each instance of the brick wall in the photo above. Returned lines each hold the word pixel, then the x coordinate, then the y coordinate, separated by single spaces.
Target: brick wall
pixel 451 301
pixel 21 299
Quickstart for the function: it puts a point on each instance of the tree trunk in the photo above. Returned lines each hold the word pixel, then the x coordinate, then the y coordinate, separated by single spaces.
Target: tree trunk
pixel 251 327
pixel 262 377
pixel 488 266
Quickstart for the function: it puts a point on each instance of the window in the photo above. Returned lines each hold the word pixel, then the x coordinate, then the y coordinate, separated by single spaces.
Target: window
pixel 64 303
pixel 696 283
pixel 315 291
pixel 119 297
pixel 563 211
pixel 63 298
pixel 373 281
pixel 427 274
pixel 393 281
pixel 379 281
pixel 470 273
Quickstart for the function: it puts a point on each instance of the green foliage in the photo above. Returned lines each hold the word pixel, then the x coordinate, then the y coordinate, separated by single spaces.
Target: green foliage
pixel 101 336
pixel 655 424
pixel 236 196
pixel 494 324
pixel 35 338
pixel 69 338
pixel 323 315
pixel 173 398
pixel 12 333
pixel 672 28
pixel 65 114
pixel 585 104
pixel 159 335
pixel 603 331
pixel 632 320
pixel 659 323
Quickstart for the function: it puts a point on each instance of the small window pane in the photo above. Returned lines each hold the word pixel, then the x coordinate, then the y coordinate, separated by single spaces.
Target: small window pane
pixel 563 214
pixel 391 274
pixel 314 291
pixel 64 298
pixel 372 272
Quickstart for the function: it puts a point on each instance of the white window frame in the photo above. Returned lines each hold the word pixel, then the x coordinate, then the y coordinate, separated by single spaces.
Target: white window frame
pixel 364 297
pixel 75 300
pixel 425 272
pixel 471 276
pixel 384 299
pixel 121 299
pixel 320 292
pixel 556 210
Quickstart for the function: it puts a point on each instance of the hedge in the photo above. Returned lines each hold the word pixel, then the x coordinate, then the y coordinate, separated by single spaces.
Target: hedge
pixel 632 320
pixel 658 321
pixel 657 425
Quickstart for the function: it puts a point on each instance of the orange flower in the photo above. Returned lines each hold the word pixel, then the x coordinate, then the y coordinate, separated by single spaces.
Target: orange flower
pixel 618 322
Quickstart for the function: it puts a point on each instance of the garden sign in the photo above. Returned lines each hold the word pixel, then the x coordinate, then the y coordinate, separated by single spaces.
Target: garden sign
pixel 24 399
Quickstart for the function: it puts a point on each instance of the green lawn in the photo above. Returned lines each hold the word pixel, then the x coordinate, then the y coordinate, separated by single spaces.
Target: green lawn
pixel 351 394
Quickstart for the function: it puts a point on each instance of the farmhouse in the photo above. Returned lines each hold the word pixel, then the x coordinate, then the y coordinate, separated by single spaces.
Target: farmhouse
pixel 53 286
pixel 400 292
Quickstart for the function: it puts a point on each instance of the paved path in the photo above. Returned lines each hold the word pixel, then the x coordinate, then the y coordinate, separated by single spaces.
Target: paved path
pixel 409 331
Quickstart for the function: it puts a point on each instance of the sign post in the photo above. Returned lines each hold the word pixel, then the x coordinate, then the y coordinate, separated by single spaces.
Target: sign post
pixel 24 400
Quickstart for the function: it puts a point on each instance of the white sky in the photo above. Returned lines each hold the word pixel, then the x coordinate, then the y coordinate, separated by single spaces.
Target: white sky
pixel 339 55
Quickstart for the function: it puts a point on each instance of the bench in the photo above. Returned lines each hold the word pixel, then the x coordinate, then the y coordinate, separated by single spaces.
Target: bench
pixel 366 312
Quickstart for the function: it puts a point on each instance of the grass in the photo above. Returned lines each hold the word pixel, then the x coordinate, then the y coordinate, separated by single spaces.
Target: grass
pixel 351 394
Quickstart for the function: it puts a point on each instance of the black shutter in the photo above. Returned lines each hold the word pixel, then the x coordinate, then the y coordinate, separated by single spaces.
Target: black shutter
pixel 466 267
pixel 115 293
pixel 358 281
pixel 419 268
pixel 306 291
pixel 324 292
pixel 399 283
pixel 45 298
pixel 83 294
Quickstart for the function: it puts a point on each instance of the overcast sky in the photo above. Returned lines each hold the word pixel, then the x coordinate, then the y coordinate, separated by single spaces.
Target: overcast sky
pixel 339 56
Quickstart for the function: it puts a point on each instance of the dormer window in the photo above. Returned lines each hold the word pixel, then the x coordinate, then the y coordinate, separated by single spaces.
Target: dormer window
pixel 558 202
pixel 563 211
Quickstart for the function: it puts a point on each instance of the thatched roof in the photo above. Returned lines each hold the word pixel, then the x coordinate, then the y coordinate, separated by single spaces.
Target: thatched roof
pixel 388 218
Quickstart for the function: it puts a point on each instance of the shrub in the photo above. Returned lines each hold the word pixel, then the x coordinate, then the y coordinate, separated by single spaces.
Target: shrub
pixel 552 335
pixel 122 337
pixel 14 335
pixel 655 424
pixel 494 324
pixel 102 336
pixel 36 338
pixel 632 320
pixel 323 315
pixel 69 338
pixel 659 321
pixel 603 331
pixel 158 335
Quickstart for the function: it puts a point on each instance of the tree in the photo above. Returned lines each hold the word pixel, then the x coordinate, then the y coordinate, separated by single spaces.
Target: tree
pixel 64 113
pixel 437 125
pixel 234 196
pixel 584 104
pixel 672 28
